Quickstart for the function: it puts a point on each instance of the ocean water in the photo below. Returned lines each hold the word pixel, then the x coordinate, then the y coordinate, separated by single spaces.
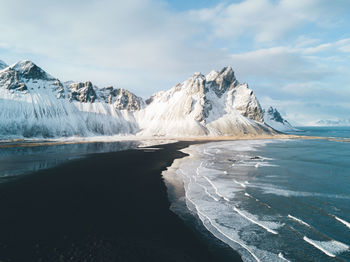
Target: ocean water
pixel 17 160
pixel 274 200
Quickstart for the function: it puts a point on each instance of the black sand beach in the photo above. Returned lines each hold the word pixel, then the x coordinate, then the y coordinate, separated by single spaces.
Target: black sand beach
pixel 105 207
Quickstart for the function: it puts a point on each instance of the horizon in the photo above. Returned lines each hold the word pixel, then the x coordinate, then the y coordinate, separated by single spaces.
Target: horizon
pixel 294 55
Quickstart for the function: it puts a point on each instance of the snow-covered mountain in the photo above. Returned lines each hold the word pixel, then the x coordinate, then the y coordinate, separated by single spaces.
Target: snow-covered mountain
pixel 215 104
pixel 274 119
pixel 35 104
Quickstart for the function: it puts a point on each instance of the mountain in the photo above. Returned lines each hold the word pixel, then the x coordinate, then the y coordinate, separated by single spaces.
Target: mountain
pixel 274 119
pixel 3 65
pixel 215 104
pixel 338 122
pixel 35 104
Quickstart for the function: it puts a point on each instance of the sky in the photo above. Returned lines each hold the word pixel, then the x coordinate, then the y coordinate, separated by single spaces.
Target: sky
pixel 294 54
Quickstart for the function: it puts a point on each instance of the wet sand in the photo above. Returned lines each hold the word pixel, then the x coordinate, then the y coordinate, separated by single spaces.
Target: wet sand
pixel 105 207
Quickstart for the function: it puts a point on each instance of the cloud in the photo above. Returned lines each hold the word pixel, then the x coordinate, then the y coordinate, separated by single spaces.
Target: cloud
pixel 307 82
pixel 285 49
pixel 106 41
pixel 94 31
pixel 266 21
pixel 278 63
pixel 303 112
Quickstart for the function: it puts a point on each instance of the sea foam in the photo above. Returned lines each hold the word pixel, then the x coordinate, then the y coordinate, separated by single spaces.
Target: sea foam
pixel 330 248
pixel 299 220
pixel 215 183
pixel 347 224
pixel 254 221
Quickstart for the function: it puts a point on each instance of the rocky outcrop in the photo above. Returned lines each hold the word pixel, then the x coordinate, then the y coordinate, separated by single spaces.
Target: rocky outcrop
pixel 59 88
pixel 107 94
pixel 245 101
pixel 10 80
pixel 274 115
pixel 126 100
pixel 120 98
pixel 82 92
pixel 196 85
pixel 221 81
pixel 274 119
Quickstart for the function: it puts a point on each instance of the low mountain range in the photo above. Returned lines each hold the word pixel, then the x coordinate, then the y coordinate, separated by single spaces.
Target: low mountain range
pixel 337 122
pixel 35 104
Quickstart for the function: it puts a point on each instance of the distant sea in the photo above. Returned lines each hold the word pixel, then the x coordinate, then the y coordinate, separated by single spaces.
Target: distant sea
pixel 274 200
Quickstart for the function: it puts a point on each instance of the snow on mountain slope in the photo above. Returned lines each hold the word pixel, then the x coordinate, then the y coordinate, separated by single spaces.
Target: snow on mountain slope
pixel 35 104
pixel 274 119
pixel 3 65
pixel 214 105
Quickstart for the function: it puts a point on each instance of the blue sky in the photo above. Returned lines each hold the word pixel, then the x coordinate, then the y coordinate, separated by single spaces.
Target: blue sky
pixel 295 54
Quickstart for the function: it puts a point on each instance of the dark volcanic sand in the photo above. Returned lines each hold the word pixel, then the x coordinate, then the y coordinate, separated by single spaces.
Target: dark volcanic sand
pixel 105 207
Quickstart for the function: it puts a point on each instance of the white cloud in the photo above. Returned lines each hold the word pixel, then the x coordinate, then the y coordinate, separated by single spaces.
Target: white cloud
pixel 133 43
pixel 266 21
pixel 278 63
pixel 144 46
pixel 306 83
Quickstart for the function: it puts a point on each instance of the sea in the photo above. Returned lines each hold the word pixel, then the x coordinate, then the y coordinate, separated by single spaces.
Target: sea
pixel 19 158
pixel 273 200
pixel 270 200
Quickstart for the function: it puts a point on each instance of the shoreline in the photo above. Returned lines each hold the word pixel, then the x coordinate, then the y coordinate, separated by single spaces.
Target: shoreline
pixel 105 207
pixel 178 204
pixel 148 141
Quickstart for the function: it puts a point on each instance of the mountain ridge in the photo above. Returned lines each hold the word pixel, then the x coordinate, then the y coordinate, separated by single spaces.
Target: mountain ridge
pixel 36 104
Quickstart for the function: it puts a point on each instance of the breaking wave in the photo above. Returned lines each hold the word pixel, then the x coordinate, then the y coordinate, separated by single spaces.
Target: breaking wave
pixel 249 217
pixel 299 220
pixel 330 248
pixel 236 193
pixel 347 224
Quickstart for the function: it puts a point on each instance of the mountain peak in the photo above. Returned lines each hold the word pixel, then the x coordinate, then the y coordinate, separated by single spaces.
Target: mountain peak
pixel 275 115
pixel 197 75
pixel 212 75
pixel 221 81
pixel 274 119
pixel 127 101
pixel 227 74
pixel 227 69
pixel 23 65
pixel 29 70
